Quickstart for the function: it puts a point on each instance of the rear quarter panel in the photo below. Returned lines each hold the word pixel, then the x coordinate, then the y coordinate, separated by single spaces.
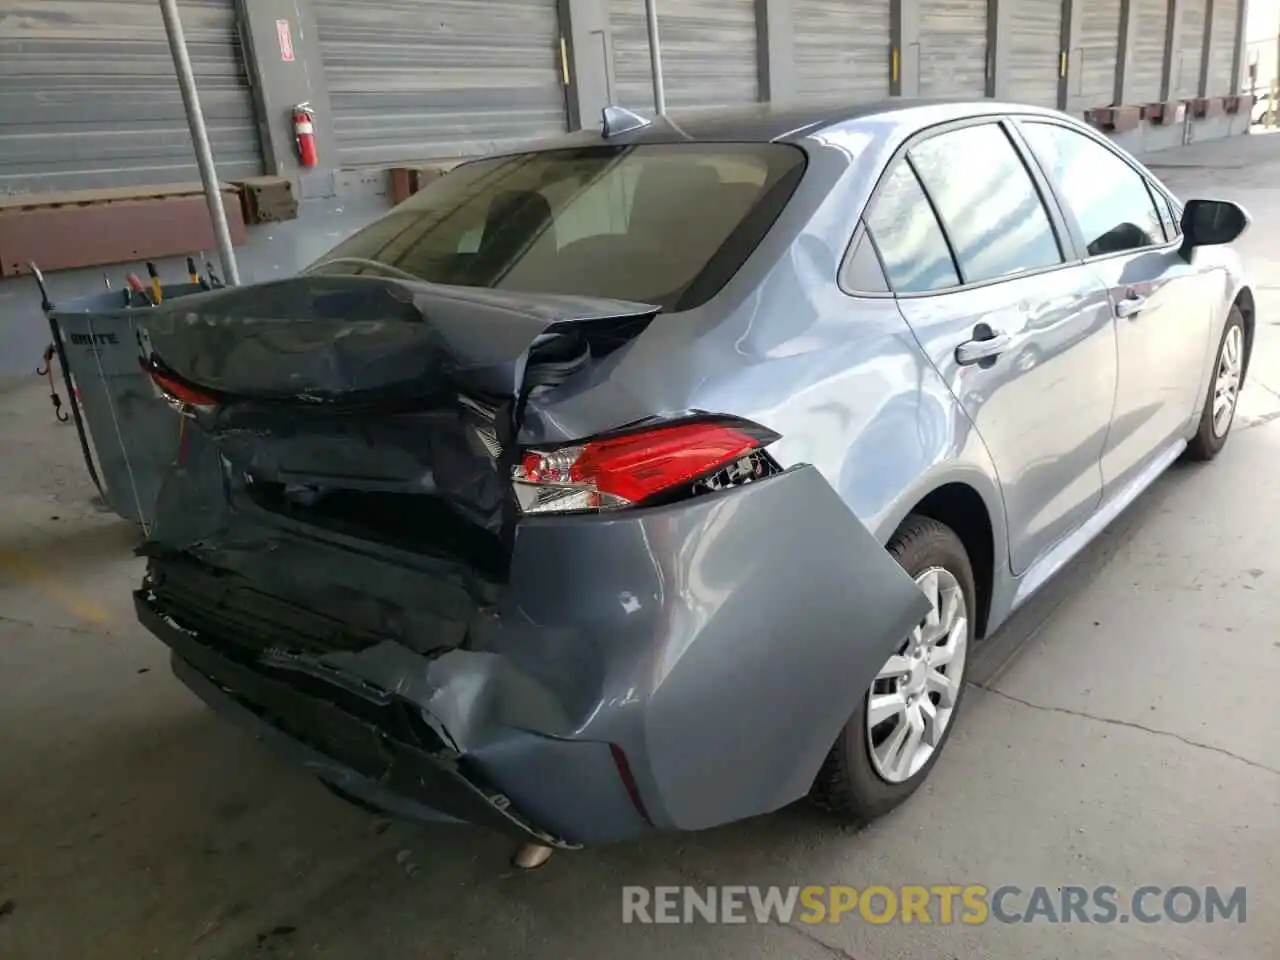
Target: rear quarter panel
pixel 841 378
pixel 1224 280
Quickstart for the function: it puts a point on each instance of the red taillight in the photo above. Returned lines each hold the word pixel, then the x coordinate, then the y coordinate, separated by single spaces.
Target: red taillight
pixel 633 467
pixel 181 392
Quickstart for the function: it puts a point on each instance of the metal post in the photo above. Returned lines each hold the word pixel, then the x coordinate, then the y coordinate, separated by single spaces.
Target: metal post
pixel 655 57
pixel 1275 73
pixel 1271 88
pixel 200 139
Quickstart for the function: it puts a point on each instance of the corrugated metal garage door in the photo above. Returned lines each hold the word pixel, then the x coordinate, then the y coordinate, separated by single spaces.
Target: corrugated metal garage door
pixel 419 79
pixel 842 49
pixel 1035 43
pixel 708 53
pixel 1189 50
pixel 1098 49
pixel 89 98
pixel 1146 69
pixel 1223 48
pixel 953 48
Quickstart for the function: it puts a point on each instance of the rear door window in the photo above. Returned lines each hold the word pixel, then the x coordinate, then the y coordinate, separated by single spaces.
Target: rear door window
pixel 912 245
pixel 1109 199
pixel 862 271
pixel 988 202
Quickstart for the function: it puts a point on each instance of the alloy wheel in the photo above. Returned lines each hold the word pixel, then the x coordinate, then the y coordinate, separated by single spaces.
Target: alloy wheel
pixel 914 696
pixel 1226 388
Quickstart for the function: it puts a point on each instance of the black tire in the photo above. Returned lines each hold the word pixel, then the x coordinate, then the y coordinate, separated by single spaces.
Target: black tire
pixel 848 783
pixel 1206 444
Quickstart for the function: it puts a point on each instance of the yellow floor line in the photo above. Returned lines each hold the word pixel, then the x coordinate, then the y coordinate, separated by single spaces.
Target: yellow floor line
pixel 24 568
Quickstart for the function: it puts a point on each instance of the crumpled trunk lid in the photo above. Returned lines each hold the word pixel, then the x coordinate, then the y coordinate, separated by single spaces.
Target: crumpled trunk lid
pixel 350 479
pixel 363 401
pixel 350 342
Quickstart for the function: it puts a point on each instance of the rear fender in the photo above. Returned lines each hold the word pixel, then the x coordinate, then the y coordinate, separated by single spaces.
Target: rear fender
pixel 721 643
pixel 1225 298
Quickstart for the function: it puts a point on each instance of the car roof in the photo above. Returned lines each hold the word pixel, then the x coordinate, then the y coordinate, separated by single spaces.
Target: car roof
pixel 789 122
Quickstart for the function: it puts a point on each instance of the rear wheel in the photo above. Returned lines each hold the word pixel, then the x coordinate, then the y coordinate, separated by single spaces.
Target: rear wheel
pixel 1224 392
pixel 893 740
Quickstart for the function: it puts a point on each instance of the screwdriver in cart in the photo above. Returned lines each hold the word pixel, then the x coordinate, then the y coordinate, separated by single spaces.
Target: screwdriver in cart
pixel 196 276
pixel 135 285
pixel 157 291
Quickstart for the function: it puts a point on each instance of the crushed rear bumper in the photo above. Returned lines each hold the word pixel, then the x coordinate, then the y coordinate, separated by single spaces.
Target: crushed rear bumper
pixel 676 667
pixel 352 752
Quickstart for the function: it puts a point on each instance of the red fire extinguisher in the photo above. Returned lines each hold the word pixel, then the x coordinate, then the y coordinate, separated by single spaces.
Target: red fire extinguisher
pixel 304 132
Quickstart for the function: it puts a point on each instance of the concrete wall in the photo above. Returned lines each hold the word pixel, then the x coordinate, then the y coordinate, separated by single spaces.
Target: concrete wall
pixel 585 29
pixel 280 84
pixel 697 33
pixel 1151 138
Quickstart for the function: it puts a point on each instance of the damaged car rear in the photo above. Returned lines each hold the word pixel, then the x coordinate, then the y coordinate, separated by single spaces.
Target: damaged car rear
pixel 652 480
pixel 429 539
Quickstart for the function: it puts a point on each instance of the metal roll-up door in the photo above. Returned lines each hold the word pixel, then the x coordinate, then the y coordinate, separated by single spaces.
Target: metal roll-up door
pixel 708 53
pixel 1146 69
pixel 841 49
pixel 421 79
pixel 1035 45
pixel 1222 50
pixel 953 48
pixel 1190 49
pixel 89 97
pixel 1098 47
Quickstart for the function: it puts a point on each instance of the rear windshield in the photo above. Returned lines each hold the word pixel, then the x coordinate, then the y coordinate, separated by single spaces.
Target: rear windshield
pixel 664 224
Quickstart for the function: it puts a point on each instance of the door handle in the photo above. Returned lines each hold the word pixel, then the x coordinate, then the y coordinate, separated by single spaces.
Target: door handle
pixel 987 344
pixel 1130 306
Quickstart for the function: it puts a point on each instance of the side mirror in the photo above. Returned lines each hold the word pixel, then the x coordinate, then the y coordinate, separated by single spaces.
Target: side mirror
pixel 1207 223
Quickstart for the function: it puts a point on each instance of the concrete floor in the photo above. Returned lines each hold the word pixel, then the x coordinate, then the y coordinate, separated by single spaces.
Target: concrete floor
pixel 1123 731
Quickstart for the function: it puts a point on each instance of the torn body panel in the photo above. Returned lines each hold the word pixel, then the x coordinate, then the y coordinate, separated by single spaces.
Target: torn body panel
pixel 342 558
pixel 352 340
pixel 717 644
pixel 317 389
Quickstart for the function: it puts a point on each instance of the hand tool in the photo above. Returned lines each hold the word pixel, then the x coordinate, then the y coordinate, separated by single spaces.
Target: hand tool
pixel 196 275
pixel 136 286
pixel 157 291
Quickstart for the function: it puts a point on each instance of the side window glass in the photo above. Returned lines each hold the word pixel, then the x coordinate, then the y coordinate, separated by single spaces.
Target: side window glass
pixel 911 244
pixel 1109 198
pixel 862 273
pixel 988 201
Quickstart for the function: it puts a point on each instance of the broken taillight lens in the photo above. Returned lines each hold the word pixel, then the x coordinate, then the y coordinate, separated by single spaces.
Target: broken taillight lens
pixel 180 394
pixel 634 467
